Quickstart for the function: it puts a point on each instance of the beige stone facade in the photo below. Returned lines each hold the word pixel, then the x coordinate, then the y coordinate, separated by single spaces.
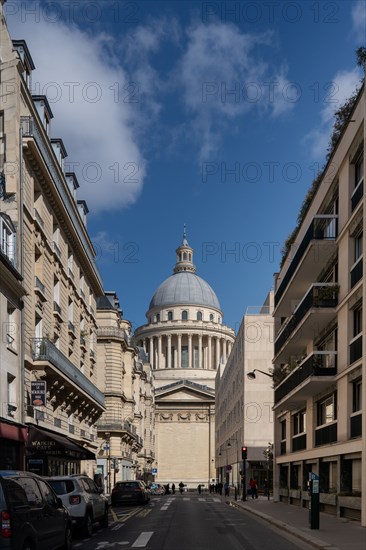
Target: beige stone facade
pixel 244 407
pixel 56 261
pixel 186 341
pixel 126 429
pixel 320 367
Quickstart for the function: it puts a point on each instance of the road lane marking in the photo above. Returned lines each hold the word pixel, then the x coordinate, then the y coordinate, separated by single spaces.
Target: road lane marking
pixel 142 539
pixel 164 507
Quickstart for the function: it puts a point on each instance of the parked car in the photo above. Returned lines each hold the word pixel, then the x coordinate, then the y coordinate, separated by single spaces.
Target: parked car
pixel 130 491
pixel 83 499
pixel 157 489
pixel 32 517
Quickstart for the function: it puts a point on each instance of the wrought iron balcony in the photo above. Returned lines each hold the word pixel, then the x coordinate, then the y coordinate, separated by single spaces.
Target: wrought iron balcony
pixel 316 247
pixel 44 350
pixel 320 297
pixel 317 364
pixel 113 332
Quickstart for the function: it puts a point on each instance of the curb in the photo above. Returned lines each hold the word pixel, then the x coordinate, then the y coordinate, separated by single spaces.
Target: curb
pixel 313 541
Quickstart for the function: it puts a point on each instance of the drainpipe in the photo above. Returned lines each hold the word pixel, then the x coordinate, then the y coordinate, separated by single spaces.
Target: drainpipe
pixel 21 221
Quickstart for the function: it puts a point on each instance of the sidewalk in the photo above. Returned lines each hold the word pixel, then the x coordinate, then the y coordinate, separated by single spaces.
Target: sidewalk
pixel 333 533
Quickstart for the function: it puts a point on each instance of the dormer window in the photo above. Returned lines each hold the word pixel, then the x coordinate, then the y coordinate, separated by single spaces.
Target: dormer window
pixel 83 210
pixel 28 66
pixel 7 238
pixel 43 110
pixel 72 183
pixel 59 150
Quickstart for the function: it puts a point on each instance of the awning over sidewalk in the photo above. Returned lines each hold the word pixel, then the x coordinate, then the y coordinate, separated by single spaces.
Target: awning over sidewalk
pixel 44 441
pixel 14 431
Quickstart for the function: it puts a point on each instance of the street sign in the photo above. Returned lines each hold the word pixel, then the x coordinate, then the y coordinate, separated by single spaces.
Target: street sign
pixel 38 393
pixel 154 471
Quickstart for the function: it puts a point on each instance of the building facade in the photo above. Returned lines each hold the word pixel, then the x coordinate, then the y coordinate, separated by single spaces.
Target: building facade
pixel 126 429
pixel 186 341
pixel 244 407
pixel 320 368
pixel 53 368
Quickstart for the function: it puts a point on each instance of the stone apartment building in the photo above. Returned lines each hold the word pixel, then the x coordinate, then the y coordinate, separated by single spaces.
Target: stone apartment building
pixel 244 406
pixel 126 429
pixel 48 361
pixel 320 367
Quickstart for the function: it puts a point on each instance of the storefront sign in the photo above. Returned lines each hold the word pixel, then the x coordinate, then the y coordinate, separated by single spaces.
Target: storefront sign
pixel 38 393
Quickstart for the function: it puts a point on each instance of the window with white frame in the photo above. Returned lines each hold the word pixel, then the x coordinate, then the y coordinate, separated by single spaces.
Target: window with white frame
pixel 7 238
pixel 11 326
pixel 327 410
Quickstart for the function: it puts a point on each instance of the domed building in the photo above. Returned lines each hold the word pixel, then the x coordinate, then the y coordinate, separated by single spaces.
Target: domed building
pixel 186 341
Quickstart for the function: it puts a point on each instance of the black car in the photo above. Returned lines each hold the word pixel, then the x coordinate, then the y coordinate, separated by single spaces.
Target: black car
pixel 32 517
pixel 130 491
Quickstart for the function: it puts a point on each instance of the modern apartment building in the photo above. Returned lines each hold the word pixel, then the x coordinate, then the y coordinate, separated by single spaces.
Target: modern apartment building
pixel 244 406
pixel 126 429
pixel 48 363
pixel 320 367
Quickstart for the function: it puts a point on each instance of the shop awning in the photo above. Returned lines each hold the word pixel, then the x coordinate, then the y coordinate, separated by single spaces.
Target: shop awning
pixel 14 431
pixel 46 442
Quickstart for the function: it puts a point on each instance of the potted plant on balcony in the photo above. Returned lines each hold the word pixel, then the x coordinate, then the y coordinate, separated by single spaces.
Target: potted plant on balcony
pixel 324 294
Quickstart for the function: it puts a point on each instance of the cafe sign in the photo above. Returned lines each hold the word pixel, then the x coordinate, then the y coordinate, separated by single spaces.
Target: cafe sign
pixel 38 393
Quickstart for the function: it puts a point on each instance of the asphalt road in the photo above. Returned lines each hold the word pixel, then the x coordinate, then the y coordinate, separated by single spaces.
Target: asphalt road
pixel 187 522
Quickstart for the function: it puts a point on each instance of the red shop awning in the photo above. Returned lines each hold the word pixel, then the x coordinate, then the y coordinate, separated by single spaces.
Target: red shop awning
pixel 14 431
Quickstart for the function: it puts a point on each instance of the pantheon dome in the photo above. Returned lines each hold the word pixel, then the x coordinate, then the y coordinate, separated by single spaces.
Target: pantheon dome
pixel 186 341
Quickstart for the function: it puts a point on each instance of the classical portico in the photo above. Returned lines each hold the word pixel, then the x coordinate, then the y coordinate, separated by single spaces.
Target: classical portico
pixel 186 341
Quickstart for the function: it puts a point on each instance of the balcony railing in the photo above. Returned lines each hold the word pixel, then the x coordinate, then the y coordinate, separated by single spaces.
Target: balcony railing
pixel 112 332
pixel 320 295
pixel 355 350
pixel 116 424
pixel 321 363
pixel 44 350
pixel 322 227
pixel 30 129
pixel 356 272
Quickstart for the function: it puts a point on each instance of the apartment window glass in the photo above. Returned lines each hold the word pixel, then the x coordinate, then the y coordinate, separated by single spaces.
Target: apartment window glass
pixel 357 395
pixel 56 290
pixel 358 246
pixel 327 410
pixel 11 327
pixel 7 237
pixel 283 430
pixel 299 422
pixel 359 171
pixel 357 321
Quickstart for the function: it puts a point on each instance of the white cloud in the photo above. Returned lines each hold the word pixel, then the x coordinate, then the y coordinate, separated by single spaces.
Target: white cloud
pixel 343 86
pixel 92 101
pixel 222 78
pixel 359 21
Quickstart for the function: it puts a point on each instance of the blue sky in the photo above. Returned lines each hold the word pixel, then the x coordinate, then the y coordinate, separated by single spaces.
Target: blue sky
pixel 212 114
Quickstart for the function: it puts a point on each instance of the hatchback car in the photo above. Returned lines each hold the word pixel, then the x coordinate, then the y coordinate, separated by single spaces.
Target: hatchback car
pixel 32 517
pixel 83 499
pixel 130 491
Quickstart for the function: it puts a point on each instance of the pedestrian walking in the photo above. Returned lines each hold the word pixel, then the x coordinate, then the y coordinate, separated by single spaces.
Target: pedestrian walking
pixel 227 489
pixel 253 488
pixel 199 488
pixel 173 488
pixel 181 487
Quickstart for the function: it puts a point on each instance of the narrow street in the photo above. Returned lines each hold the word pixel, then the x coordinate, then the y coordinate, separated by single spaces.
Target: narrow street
pixel 189 522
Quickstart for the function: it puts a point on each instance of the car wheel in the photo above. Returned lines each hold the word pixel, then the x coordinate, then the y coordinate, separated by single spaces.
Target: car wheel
pixel 104 522
pixel 68 538
pixel 88 525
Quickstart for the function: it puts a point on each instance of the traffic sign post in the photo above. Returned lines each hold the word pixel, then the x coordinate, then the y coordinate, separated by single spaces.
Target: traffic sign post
pixel 314 509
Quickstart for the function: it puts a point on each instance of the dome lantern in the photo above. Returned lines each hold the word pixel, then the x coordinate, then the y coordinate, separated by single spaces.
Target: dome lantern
pixel 184 256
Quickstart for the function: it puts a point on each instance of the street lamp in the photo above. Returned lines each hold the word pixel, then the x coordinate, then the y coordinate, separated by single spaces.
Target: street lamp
pixel 252 376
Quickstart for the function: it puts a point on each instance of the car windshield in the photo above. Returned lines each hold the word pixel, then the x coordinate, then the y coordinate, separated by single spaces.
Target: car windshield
pixel 62 486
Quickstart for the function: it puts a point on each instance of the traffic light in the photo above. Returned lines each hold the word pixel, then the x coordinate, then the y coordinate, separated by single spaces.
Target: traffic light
pixel 244 453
